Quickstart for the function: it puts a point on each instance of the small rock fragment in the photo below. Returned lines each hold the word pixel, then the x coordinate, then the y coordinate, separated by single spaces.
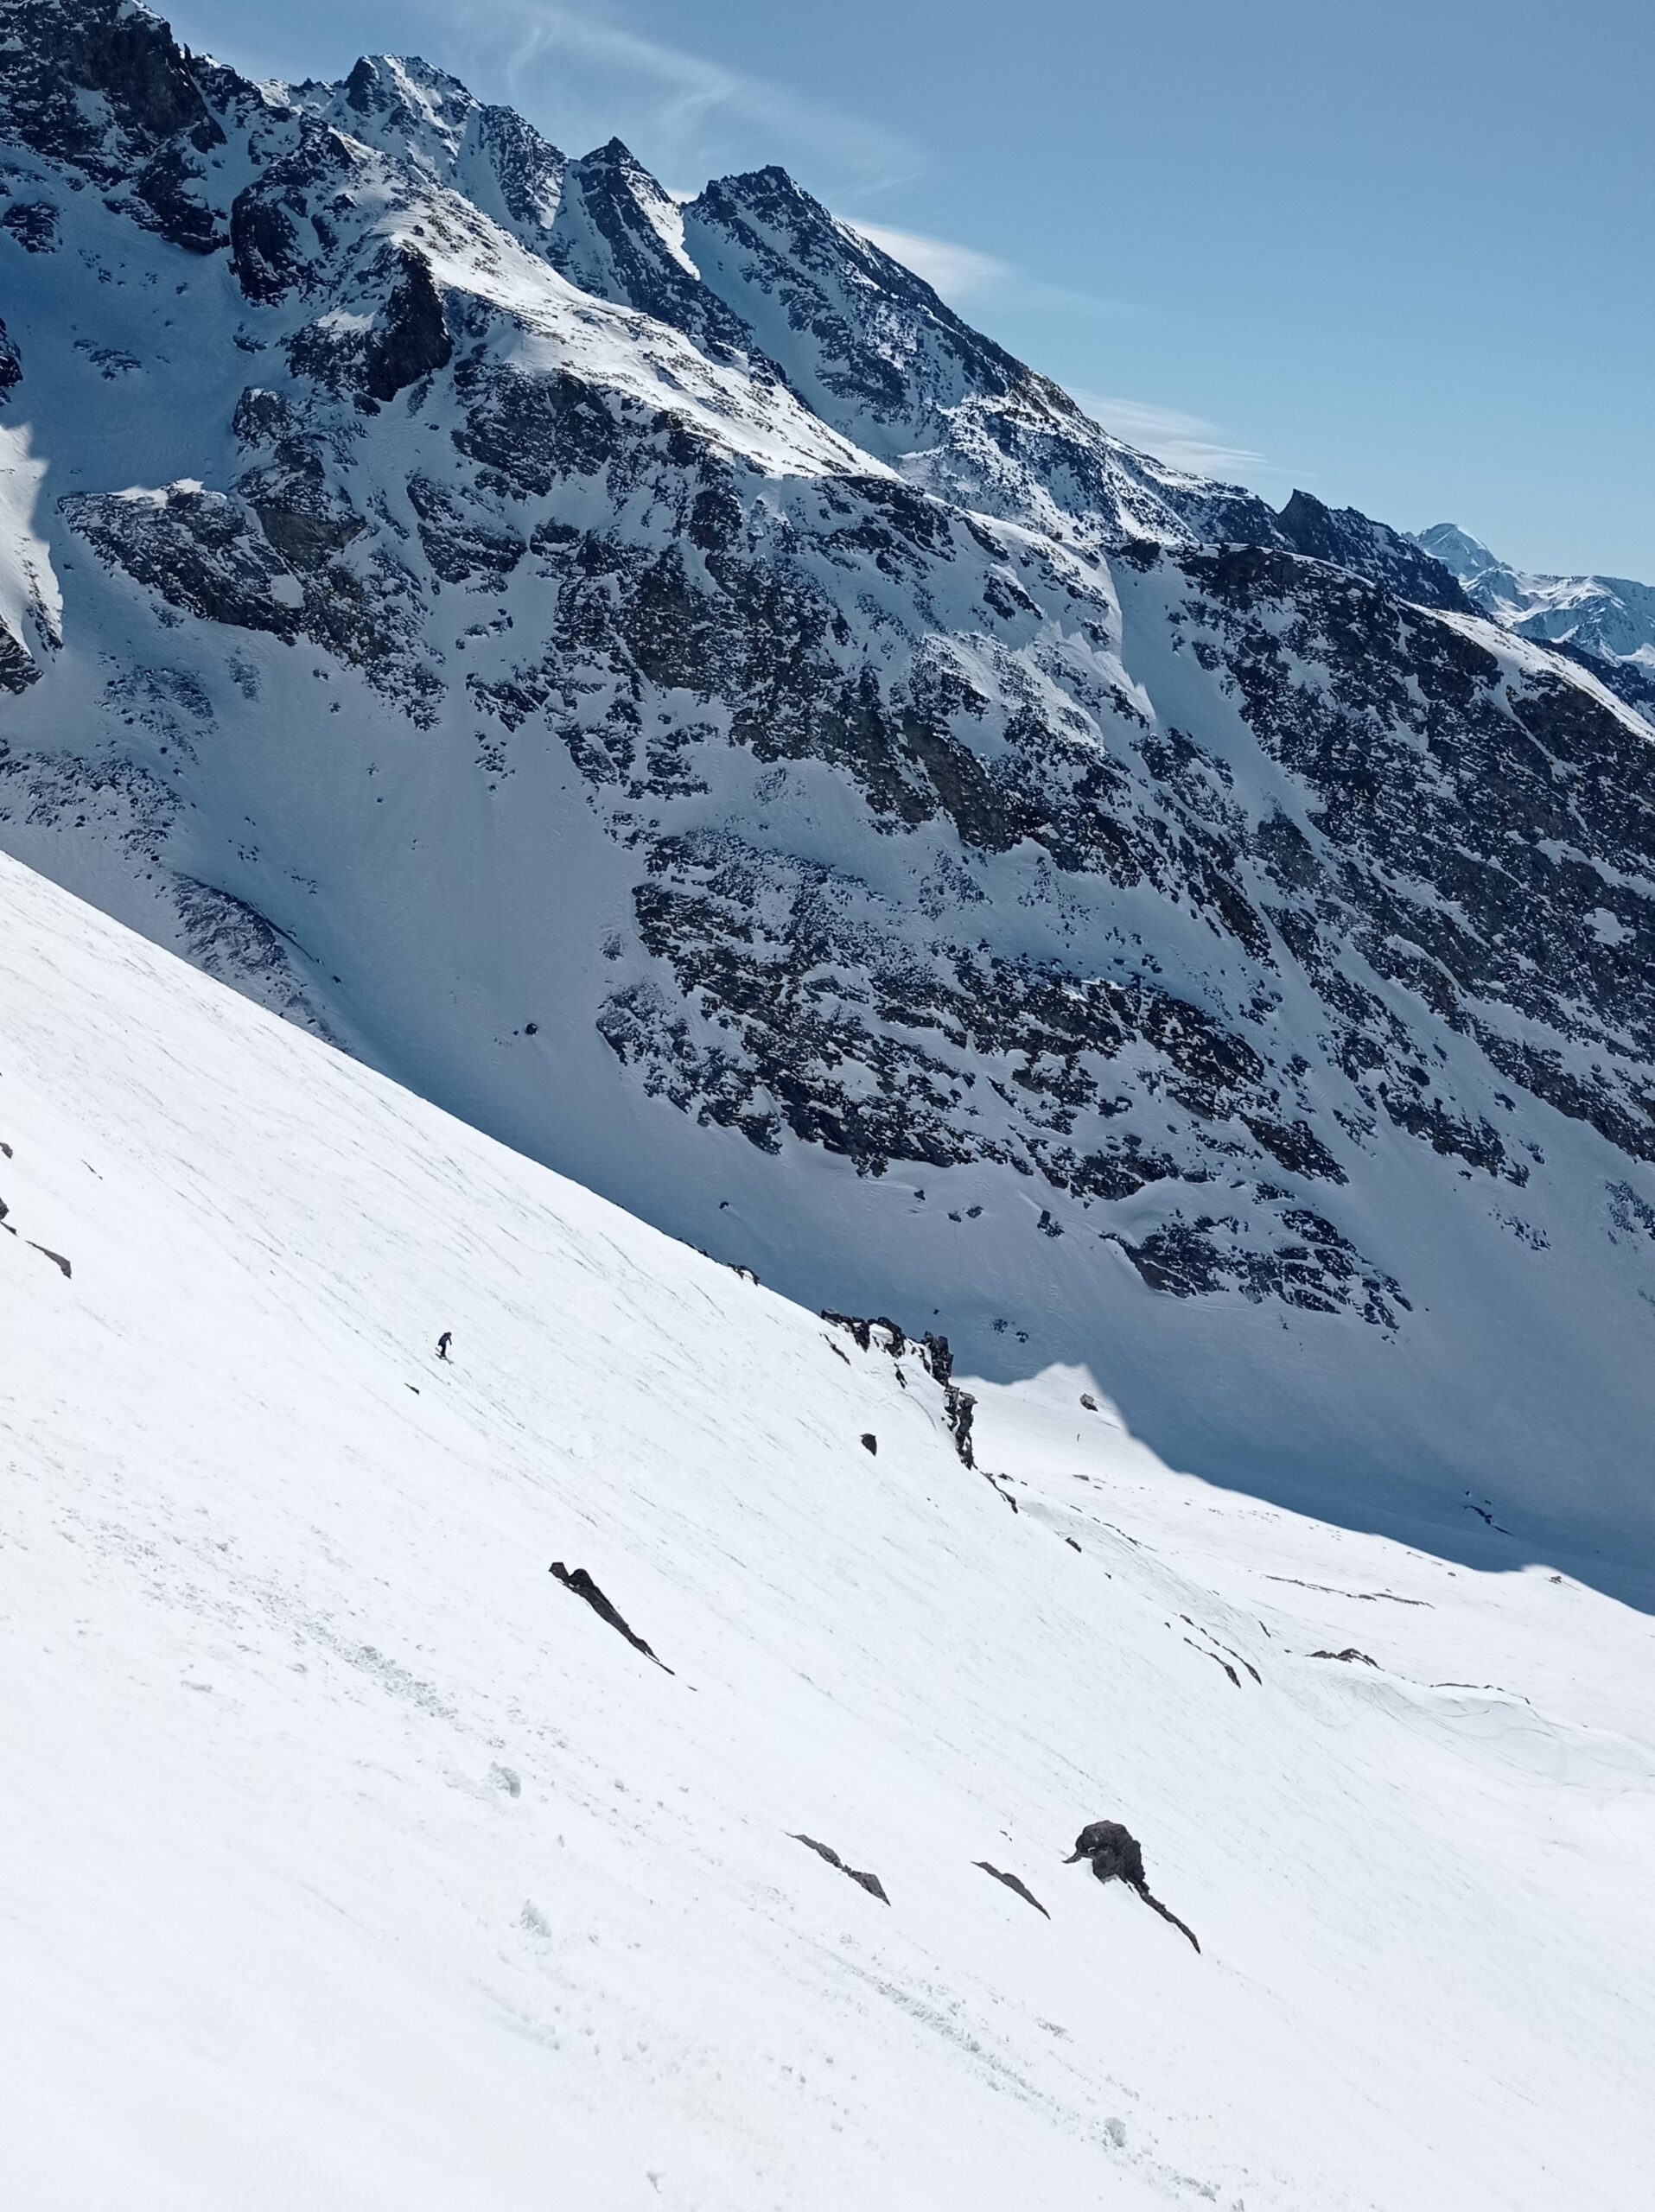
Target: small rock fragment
pixel 1012 1883
pixel 871 1882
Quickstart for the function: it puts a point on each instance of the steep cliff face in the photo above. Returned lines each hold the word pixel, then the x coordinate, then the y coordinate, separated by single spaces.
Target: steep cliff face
pixel 659 682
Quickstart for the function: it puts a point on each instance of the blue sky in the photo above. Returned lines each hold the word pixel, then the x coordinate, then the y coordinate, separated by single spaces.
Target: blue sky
pixel 1396 251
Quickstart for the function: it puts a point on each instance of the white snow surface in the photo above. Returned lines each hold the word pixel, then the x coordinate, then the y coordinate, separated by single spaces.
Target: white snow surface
pixel 350 1862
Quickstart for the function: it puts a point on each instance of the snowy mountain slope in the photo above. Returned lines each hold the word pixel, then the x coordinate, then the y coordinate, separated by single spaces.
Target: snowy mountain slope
pixel 353 1862
pixel 452 596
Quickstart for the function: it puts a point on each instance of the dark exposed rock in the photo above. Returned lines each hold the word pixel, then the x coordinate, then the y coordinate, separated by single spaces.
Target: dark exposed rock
pixel 1012 1883
pixel 266 564
pixel 529 431
pixel 101 87
pixel 32 223
pixel 412 338
pixel 18 668
pixel 1116 1856
pixel 828 987
pixel 199 550
pixel 275 244
pixel 871 1882
pixel 529 168
pixel 1350 1653
pixel 861 1332
pixel 938 1357
pixel 582 1584
pixel 459 542
pixel 1501 928
pixel 959 1409
pixel 870 1441
pixel 1319 1270
pixel 1370 549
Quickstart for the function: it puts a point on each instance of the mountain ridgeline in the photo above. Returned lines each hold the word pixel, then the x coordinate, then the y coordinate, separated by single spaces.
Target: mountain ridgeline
pixel 652 678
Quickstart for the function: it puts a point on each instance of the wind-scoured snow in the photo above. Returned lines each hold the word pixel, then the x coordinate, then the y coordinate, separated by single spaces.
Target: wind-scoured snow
pixel 351 1862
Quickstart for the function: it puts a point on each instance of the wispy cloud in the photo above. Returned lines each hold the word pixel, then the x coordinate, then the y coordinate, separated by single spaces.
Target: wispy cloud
pixel 1185 441
pixel 964 272
pixel 956 271
pixel 572 66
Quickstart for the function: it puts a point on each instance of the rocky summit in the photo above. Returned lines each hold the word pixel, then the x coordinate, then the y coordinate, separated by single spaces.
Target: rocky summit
pixel 654 680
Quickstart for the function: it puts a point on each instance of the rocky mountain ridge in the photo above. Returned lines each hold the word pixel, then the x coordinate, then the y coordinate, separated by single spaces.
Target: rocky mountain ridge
pixel 655 680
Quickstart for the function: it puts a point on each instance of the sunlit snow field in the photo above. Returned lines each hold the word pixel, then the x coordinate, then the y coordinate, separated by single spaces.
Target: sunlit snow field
pixel 350 1862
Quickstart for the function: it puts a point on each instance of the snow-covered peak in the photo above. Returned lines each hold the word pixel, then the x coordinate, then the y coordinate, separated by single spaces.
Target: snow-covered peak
pixel 406 107
pixel 1612 617
pixel 1457 549
pixel 863 338
pixel 620 235
pixel 873 349
pixel 427 123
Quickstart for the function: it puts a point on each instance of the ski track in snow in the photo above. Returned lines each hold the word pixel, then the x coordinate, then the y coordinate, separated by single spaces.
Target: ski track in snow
pixel 349 1863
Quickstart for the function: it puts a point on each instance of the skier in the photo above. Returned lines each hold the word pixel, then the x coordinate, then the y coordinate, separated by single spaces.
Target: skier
pixel 443 1342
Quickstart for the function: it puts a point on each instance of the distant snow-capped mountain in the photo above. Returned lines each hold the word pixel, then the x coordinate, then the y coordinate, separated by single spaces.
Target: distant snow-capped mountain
pixel 659 682
pixel 1609 616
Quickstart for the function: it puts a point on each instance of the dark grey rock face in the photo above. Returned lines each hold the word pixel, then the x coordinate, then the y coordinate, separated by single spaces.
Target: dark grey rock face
pixel 1456 806
pixel 413 339
pixel 101 87
pixel 280 235
pixel 17 668
pixel 1353 541
pixel 203 552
